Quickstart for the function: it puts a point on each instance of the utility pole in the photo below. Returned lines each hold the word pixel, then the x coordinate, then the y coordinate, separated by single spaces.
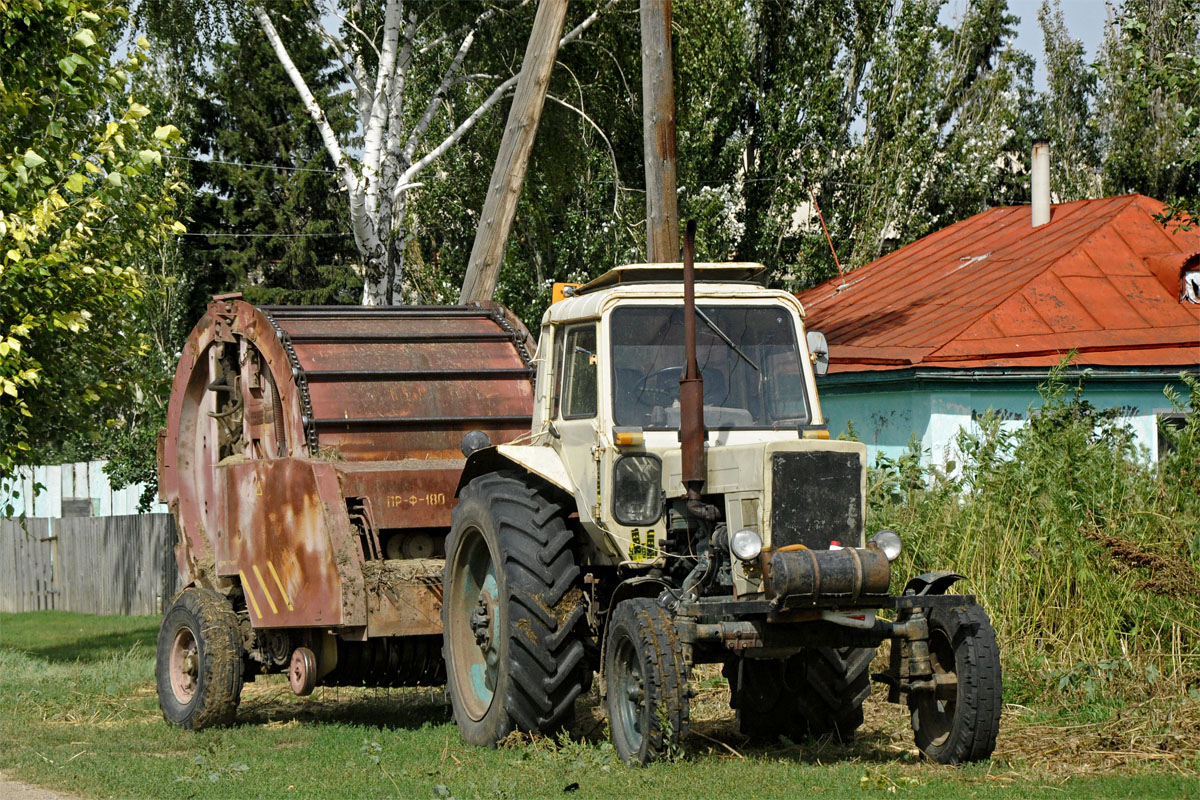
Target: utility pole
pixel 658 133
pixel 508 175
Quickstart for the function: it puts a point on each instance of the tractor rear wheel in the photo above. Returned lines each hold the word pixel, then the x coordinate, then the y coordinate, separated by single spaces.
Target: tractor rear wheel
pixel 510 612
pixel 199 660
pixel 817 692
pixel 647 682
pixel 958 722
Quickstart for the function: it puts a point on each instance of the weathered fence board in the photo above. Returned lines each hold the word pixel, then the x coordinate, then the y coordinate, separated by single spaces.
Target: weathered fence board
pixel 98 565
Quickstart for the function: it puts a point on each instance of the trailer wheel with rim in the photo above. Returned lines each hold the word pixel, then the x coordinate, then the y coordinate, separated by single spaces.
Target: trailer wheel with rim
pixel 199 663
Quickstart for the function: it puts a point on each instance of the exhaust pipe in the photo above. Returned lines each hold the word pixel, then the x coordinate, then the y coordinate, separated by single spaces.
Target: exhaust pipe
pixel 692 433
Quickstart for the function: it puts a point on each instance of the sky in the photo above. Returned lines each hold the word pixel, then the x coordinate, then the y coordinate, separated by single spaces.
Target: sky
pixel 1085 21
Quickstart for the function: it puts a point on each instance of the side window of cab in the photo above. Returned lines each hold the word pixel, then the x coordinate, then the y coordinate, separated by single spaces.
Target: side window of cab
pixel 576 397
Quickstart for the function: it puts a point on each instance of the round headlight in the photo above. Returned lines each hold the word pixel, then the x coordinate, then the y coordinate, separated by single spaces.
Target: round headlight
pixel 746 544
pixel 889 542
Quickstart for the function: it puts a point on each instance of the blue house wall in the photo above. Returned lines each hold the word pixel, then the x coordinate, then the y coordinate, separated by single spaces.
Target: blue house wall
pixel 887 409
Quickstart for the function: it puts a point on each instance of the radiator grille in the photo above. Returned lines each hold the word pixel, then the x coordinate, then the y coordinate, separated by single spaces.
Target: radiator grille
pixel 816 499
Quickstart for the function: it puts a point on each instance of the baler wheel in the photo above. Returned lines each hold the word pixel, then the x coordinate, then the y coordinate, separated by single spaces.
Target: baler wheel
pixel 199 660
pixel 510 612
pixel 959 722
pixel 647 682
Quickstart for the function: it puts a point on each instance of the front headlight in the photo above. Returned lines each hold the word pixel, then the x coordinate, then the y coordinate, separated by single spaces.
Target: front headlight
pixel 637 489
pixel 889 542
pixel 746 544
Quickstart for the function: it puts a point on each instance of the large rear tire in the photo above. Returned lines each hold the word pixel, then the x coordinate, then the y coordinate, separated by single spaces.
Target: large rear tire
pixel 817 692
pixel 198 667
pixel 959 726
pixel 510 612
pixel 647 682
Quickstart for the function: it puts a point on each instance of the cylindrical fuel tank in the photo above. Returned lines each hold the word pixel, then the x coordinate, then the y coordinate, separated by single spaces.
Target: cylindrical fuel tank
pixel 803 576
pixel 384 395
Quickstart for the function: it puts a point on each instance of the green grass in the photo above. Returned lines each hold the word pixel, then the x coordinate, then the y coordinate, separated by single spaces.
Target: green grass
pixel 78 713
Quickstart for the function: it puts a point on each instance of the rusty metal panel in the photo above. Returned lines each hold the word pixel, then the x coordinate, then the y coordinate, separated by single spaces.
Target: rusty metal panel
pixel 993 291
pixel 277 542
pixel 413 493
pixel 404 596
pixel 330 387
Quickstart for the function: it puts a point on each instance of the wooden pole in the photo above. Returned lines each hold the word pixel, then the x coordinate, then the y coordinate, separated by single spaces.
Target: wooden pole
pixel 658 133
pixel 491 237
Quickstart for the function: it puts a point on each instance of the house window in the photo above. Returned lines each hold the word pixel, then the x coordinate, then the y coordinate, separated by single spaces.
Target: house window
pixel 1168 424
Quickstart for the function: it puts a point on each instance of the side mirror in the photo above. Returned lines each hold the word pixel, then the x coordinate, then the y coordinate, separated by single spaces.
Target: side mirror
pixel 818 350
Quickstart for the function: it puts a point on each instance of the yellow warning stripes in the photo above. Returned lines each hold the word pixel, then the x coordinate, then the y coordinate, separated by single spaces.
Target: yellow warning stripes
pixel 266 591
pixel 279 583
pixel 249 594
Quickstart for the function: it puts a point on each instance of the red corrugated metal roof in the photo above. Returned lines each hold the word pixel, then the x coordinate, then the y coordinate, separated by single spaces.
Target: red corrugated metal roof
pixel 994 291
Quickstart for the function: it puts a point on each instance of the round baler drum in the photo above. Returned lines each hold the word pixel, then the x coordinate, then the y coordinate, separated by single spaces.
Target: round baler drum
pixel 230 401
pixel 397 382
pixel 345 382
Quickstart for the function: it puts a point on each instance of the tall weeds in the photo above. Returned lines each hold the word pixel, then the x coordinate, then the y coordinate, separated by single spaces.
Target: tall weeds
pixel 1084 553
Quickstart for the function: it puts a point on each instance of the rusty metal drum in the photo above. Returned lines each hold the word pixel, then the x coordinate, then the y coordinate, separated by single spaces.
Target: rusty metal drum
pixel 304 442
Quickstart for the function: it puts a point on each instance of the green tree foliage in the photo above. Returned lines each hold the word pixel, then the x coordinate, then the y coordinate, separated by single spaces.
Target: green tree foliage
pixel 267 218
pixel 84 201
pixel 1149 103
pixel 945 114
pixel 1065 110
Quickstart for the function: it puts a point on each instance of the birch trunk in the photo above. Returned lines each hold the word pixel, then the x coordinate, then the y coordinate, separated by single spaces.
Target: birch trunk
pixel 380 181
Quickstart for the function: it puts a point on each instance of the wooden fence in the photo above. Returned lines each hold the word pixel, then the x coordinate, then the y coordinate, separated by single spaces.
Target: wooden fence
pixel 98 565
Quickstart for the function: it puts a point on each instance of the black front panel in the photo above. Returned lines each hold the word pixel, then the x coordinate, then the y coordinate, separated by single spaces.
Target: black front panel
pixel 816 499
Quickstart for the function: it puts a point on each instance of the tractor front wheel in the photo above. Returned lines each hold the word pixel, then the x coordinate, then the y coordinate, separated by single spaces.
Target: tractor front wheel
pixel 647 681
pixel 958 721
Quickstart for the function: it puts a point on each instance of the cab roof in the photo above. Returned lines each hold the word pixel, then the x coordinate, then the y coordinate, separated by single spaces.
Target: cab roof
pixel 664 282
pixel 672 272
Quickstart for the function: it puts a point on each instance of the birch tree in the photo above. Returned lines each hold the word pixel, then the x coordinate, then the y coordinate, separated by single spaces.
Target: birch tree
pixel 380 51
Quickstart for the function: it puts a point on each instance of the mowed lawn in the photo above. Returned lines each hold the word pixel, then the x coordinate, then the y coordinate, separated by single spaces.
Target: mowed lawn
pixel 78 713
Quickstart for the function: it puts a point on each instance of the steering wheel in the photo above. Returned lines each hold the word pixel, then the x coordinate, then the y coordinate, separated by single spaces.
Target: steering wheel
pixel 659 388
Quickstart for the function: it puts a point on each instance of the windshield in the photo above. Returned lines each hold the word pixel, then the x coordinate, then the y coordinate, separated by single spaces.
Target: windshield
pixel 755 384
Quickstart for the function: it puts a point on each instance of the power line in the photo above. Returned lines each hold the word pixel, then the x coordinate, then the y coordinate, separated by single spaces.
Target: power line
pixel 247 165
pixel 266 235
pixel 781 178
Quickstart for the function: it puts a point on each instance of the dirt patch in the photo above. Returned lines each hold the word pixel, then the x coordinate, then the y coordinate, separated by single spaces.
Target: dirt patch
pixel 15 790
pixel 572 600
pixel 1151 735
pixel 526 628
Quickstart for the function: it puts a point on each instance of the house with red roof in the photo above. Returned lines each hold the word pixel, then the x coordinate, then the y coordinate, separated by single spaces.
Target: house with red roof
pixel 927 338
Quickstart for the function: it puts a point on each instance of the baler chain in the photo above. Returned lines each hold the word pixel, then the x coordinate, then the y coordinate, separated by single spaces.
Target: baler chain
pixel 497 316
pixel 301 379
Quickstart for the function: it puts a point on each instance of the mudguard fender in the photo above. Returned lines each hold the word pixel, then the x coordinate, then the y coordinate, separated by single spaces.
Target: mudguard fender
pixel 535 459
pixel 932 583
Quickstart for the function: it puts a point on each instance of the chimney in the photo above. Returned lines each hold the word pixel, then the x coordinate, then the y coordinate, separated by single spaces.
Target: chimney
pixel 1041 182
